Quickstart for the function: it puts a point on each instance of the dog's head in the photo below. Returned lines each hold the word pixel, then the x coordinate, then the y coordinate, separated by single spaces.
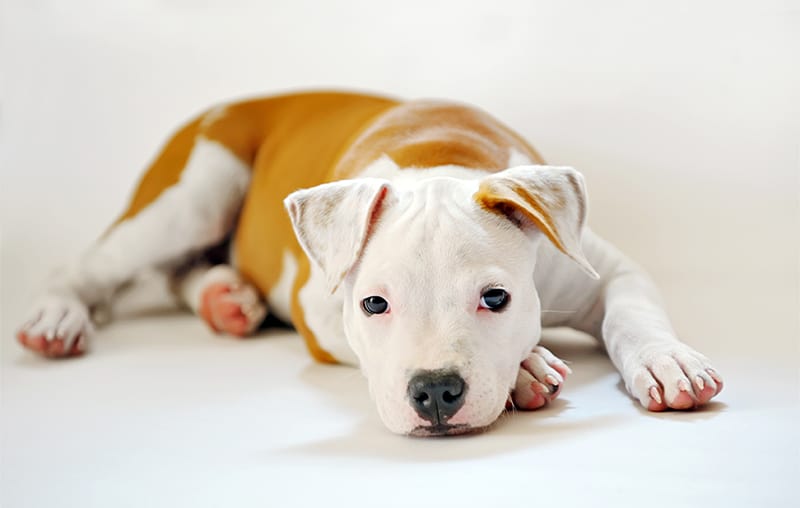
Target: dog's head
pixel 438 283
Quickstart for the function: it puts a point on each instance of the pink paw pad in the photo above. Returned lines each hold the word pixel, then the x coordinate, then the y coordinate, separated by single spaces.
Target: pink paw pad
pixel 231 308
pixel 54 348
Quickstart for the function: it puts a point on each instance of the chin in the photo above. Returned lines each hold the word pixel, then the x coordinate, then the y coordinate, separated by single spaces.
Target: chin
pixel 445 430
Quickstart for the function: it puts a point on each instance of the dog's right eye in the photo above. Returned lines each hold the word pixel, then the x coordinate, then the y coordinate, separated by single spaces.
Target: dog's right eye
pixel 374 305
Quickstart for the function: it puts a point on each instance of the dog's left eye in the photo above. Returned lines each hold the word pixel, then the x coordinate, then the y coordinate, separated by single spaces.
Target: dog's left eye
pixel 374 305
pixel 494 299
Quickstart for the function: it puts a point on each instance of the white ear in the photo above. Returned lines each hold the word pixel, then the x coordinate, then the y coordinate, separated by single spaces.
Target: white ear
pixel 550 198
pixel 333 221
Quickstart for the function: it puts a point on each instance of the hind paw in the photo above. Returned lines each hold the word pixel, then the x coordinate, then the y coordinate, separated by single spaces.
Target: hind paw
pixel 57 327
pixel 231 306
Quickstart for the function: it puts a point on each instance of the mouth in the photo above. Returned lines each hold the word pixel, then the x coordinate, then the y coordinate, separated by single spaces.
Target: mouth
pixel 444 429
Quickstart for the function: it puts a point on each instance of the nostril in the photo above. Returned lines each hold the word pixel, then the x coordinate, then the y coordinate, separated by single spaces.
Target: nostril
pixel 422 397
pixel 450 398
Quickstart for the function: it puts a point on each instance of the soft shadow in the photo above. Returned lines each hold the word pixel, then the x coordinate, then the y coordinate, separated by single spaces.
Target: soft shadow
pixel 514 431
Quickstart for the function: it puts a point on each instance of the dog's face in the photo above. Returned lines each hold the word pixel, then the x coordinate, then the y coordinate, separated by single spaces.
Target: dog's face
pixel 438 284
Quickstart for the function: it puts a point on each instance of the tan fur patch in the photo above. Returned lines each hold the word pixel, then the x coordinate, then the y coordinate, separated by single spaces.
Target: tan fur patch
pixel 424 134
pixel 302 140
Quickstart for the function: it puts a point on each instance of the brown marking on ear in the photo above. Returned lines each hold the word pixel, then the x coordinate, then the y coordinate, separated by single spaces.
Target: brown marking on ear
pixel 495 200
pixel 581 203
pixel 376 210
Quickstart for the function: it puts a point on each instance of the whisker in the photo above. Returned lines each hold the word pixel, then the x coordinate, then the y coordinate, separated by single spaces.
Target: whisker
pixel 513 406
pixel 559 311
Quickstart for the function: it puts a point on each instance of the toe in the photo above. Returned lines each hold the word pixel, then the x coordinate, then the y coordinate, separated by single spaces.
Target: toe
pixel 36 343
pixel 553 361
pixel 655 399
pixel 237 325
pixel 683 398
pixel 676 386
pixel 704 388
pixel 562 369
pixel 542 370
pixel 228 310
pixel 528 399
pixel 55 348
pixel 717 380
pixel 531 394
pixel 704 395
pixel 644 387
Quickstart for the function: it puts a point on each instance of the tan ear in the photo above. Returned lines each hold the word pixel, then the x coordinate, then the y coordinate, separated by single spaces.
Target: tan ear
pixel 333 221
pixel 553 199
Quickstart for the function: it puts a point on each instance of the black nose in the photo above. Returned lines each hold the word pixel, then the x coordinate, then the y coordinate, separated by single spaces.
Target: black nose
pixel 436 395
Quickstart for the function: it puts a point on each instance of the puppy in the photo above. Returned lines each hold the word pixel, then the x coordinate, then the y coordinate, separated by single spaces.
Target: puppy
pixel 421 242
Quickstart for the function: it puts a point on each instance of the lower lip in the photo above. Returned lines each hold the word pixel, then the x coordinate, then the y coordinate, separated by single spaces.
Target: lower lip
pixel 443 430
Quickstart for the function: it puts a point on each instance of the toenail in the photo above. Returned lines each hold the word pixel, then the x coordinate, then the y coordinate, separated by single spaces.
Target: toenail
pixel 655 395
pixel 539 388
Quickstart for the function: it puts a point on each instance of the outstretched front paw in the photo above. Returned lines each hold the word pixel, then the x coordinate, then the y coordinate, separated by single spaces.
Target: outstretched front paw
pixel 671 376
pixel 540 378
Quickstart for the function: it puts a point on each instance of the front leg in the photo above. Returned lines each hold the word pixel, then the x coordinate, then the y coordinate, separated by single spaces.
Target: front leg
pixel 658 369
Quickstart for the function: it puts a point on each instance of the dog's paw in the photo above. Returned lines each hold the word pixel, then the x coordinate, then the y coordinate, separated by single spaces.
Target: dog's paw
pixel 57 326
pixel 671 376
pixel 540 378
pixel 229 305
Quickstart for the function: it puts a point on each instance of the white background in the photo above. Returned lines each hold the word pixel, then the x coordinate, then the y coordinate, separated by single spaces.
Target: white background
pixel 684 117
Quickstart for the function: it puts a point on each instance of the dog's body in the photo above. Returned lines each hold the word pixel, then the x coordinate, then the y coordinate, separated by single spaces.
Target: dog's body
pixel 428 245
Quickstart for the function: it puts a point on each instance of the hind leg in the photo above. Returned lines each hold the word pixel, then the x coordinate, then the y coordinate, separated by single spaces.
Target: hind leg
pixel 225 301
pixel 195 212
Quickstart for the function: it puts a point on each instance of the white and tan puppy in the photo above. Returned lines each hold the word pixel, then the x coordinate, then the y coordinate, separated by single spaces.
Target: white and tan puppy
pixel 421 242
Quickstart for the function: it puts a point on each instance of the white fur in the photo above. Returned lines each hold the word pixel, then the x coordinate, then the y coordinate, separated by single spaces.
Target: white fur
pixel 432 251
pixel 435 322
pixel 422 236
pixel 214 114
pixel 407 178
pixel 517 158
pixel 322 312
pixel 193 284
pixel 419 239
pixel 193 214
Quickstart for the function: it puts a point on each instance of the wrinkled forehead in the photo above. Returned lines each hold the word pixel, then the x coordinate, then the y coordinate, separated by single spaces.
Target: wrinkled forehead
pixel 438 231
